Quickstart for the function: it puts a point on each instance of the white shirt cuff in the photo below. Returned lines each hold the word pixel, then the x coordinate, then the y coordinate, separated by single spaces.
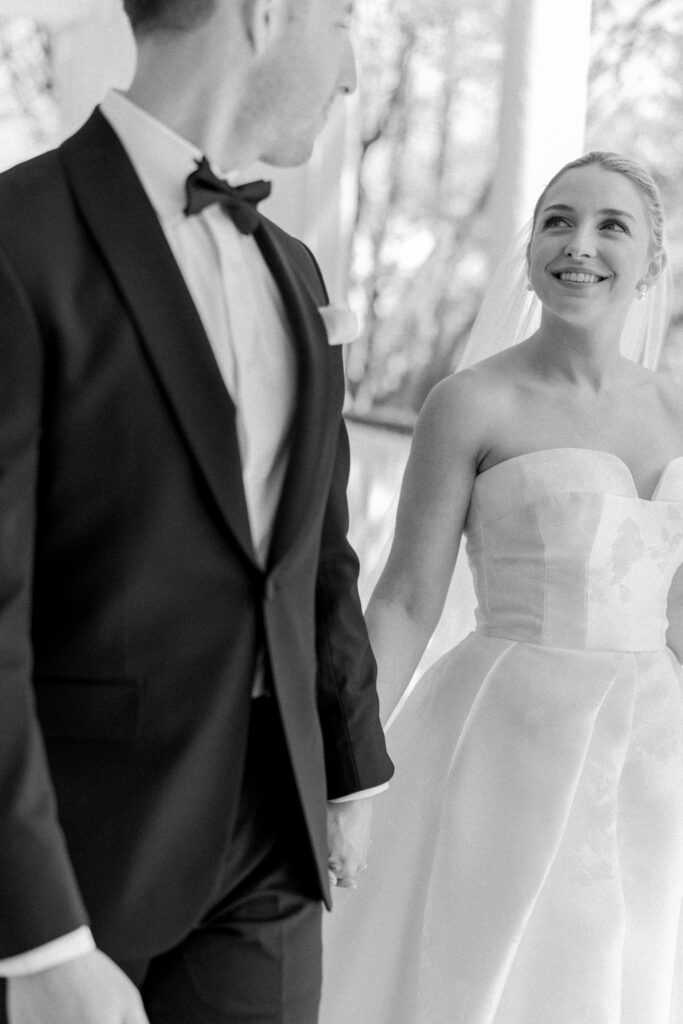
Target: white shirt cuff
pixel 51 954
pixel 361 794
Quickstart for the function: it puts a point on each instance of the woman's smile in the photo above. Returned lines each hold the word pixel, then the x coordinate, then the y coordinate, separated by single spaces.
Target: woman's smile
pixel 578 280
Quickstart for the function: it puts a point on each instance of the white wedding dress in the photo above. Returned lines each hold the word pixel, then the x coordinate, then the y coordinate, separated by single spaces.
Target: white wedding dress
pixel 527 861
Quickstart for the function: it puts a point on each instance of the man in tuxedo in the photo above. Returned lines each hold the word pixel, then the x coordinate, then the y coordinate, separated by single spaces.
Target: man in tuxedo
pixel 189 733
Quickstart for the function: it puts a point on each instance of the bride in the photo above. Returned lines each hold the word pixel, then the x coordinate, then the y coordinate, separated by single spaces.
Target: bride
pixel 527 862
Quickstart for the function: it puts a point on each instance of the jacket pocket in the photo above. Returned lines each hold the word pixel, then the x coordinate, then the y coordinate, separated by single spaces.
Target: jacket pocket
pixel 73 708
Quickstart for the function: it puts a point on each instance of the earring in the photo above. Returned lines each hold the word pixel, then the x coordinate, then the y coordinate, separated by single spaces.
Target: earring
pixel 529 286
pixel 642 291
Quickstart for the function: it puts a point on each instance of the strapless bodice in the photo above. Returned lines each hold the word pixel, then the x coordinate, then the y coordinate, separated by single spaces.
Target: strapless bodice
pixel 564 553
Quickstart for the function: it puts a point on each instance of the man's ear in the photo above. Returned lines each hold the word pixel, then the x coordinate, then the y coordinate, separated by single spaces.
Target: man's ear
pixel 262 22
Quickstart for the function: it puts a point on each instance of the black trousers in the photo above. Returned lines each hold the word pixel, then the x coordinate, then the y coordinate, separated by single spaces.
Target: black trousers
pixel 255 956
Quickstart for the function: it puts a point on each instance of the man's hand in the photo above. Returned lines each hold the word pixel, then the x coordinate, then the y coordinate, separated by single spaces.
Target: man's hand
pixel 348 839
pixel 90 989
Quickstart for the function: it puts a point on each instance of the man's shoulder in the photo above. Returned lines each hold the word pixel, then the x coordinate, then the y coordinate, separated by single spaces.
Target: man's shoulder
pixel 36 177
pixel 33 195
pixel 23 179
pixel 36 200
pixel 33 192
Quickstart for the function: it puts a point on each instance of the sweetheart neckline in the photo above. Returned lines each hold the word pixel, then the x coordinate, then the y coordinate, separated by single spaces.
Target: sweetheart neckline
pixel 591 451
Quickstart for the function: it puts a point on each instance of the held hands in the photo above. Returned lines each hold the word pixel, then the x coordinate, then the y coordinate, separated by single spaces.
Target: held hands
pixel 90 989
pixel 348 838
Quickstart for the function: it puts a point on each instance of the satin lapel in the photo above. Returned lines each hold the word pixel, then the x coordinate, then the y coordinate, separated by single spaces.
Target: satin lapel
pixel 133 243
pixel 312 430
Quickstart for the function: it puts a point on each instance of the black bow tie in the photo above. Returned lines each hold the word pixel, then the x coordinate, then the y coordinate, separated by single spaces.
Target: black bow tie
pixel 203 188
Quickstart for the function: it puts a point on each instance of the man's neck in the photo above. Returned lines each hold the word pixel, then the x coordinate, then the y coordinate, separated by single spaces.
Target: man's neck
pixel 173 85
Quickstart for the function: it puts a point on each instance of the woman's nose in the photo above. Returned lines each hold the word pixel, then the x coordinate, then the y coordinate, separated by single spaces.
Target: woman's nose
pixel 581 244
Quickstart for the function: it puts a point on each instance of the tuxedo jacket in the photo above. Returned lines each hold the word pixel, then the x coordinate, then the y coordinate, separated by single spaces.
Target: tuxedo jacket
pixel 132 607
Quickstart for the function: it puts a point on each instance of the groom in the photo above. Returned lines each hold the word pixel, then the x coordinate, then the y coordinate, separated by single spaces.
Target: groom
pixel 185 678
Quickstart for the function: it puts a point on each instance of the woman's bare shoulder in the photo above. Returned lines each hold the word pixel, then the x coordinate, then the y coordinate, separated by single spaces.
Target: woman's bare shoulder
pixel 466 411
pixel 481 390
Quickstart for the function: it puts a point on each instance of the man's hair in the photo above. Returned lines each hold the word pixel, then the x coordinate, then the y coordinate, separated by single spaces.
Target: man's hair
pixel 148 16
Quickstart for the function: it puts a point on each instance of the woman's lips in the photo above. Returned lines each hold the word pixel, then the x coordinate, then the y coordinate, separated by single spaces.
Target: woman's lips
pixel 577 277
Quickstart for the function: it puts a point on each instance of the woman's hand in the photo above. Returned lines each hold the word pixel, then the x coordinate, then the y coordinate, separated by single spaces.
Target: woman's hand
pixel 348 838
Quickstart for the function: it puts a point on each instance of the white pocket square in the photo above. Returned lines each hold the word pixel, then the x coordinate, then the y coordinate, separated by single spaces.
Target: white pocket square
pixel 341 323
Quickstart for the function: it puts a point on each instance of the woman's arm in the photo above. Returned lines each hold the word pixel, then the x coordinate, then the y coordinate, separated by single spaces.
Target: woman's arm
pixel 407 602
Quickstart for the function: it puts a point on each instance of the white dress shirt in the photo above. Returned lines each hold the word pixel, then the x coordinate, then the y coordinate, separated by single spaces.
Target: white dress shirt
pixel 245 321
pixel 237 300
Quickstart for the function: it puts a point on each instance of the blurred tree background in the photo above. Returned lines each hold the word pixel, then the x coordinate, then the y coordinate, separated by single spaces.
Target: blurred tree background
pixel 29 114
pixel 430 73
pixel 636 107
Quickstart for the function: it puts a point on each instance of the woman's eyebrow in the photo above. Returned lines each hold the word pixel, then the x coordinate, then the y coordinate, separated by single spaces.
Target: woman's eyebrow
pixel 610 212
pixel 606 212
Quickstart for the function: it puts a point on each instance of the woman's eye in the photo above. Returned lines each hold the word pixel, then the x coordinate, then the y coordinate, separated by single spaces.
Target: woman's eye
pixel 555 221
pixel 616 225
